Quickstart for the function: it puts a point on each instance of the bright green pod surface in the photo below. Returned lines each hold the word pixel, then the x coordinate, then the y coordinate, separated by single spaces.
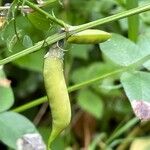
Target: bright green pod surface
pixel 90 36
pixel 56 91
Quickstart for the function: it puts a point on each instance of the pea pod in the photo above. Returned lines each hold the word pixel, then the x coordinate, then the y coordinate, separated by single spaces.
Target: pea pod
pixel 56 91
pixel 90 36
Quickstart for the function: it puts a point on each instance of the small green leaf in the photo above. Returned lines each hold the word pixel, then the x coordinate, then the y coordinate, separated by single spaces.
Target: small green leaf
pixel 27 42
pixel 39 21
pixel 6 93
pixel 12 40
pixel 14 126
pixel 91 103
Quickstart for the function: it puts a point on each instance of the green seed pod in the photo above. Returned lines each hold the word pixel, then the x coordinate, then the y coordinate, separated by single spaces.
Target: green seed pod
pixel 90 36
pixel 56 91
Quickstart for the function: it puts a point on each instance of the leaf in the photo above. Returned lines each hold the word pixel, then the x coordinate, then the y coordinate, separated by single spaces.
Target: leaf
pixel 32 61
pixel 121 50
pixel 92 71
pixel 144 44
pixel 147 64
pixel 136 85
pixel 27 42
pixel 14 126
pixel 12 40
pixel 137 88
pixel 6 93
pixel 39 21
pixel 11 35
pixel 80 51
pixel 91 103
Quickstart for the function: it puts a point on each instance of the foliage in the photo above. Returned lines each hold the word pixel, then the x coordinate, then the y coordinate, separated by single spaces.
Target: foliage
pixel 112 74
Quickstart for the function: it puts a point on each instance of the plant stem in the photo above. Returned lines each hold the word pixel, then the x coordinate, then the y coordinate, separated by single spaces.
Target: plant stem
pixel 136 131
pixel 83 84
pixel 113 18
pixel 123 129
pixel 56 37
pixel 47 15
pixel 50 40
pixel 133 21
pixel 89 82
pixel 30 104
pixel 70 89
pixel 96 140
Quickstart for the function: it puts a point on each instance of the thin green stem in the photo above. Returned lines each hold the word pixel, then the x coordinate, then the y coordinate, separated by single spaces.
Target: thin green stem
pixel 113 18
pixel 56 37
pixel 118 141
pixel 49 16
pixel 133 21
pixel 96 140
pixel 50 40
pixel 83 84
pixel 70 89
pixel 89 82
pixel 123 129
pixel 30 104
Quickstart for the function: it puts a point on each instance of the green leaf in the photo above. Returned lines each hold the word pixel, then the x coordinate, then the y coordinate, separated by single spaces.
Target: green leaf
pixel 91 103
pixel 147 65
pixel 12 40
pixel 136 85
pixel 32 61
pixel 121 50
pixel 92 71
pixel 39 21
pixel 6 93
pixel 80 51
pixel 27 42
pixel 144 44
pixel 14 126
